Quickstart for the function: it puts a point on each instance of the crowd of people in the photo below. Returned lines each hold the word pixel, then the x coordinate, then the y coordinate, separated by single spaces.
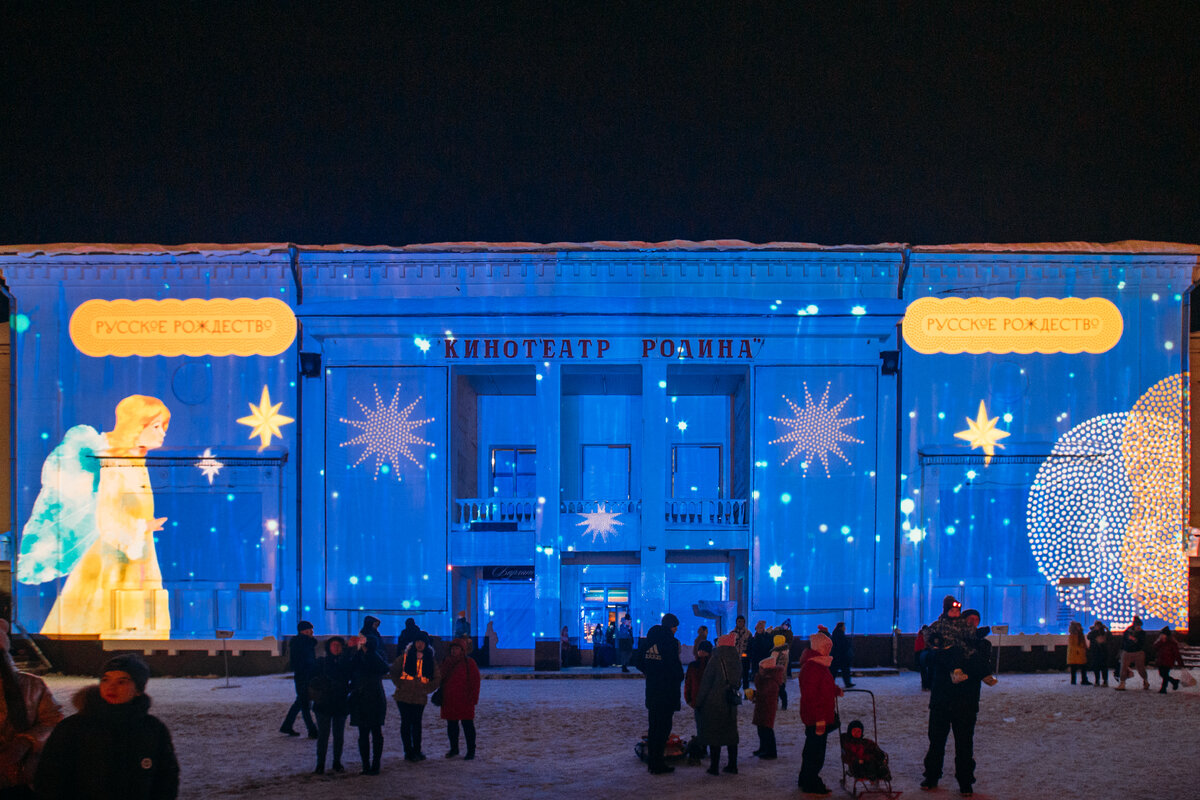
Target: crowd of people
pixel 347 683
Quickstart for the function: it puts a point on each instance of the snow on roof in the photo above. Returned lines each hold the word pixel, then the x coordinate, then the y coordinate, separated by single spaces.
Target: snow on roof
pixel 1130 247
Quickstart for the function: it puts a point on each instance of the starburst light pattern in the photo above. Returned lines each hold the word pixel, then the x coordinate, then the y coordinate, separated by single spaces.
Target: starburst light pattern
pixel 387 432
pixel 265 419
pixel 982 432
pixel 209 466
pixel 600 523
pixel 816 429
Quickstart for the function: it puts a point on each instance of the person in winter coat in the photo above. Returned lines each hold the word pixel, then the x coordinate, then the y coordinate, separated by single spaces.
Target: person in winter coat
pixel 598 646
pixel 113 748
pixel 1098 652
pixel 817 711
pixel 863 757
pixel 842 654
pixel 1133 654
pixel 742 637
pixel 27 716
pixel 718 716
pixel 1167 655
pixel 1077 652
pixel 691 692
pixel 564 647
pixel 462 626
pixel 921 652
pixel 659 661
pixel 759 647
pixel 368 700
pixel 768 681
pixel 415 675
pixel 370 630
pixel 460 694
pixel 408 635
pixel 330 692
pixel 625 642
pixel 302 658
pixel 959 668
pixel 701 636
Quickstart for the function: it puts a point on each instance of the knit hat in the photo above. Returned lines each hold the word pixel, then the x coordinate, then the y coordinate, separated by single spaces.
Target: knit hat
pixel 948 602
pixel 968 612
pixel 779 641
pixel 855 724
pixel 823 629
pixel 131 665
pixel 821 643
pixel 728 640
pixel 669 620
pixel 303 625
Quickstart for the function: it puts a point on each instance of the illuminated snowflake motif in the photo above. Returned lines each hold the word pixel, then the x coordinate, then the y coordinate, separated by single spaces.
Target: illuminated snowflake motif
pixel 600 523
pixel 816 430
pixel 209 466
pixel 387 432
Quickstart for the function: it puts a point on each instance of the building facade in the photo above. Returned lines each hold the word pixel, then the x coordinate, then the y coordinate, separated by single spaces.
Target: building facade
pixel 550 437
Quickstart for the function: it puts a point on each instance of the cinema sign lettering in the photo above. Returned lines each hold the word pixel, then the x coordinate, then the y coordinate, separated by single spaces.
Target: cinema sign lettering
pixel 717 349
pixel 1012 325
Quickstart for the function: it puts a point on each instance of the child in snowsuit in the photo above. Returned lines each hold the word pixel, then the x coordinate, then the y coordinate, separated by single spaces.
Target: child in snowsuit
pixel 862 755
pixel 1167 655
pixel 817 710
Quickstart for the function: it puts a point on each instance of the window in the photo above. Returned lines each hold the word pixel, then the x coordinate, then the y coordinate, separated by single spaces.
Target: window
pixel 514 472
pixel 696 471
pixel 606 472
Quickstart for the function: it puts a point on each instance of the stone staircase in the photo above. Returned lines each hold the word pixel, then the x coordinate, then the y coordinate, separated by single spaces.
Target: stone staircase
pixel 1191 656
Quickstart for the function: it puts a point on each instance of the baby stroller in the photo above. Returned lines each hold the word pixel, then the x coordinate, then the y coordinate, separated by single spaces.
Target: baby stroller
pixel 865 768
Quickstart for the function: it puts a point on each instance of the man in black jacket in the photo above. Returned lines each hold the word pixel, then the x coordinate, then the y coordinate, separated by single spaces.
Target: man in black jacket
pixel 302 655
pixel 659 661
pixel 961 659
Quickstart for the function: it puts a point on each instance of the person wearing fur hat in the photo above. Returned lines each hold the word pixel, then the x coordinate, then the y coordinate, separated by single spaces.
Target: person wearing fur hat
pixel 302 657
pixel 817 711
pixel 460 694
pixel 330 692
pixel 27 716
pixel 658 660
pixel 113 748
pixel 769 679
pixel 368 700
pixel 720 683
pixel 415 675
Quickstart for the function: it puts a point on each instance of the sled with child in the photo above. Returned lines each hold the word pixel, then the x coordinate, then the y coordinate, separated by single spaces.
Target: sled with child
pixel 865 770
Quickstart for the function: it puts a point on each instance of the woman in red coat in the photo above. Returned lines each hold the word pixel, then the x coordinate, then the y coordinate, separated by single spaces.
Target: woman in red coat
pixel 1167 655
pixel 460 695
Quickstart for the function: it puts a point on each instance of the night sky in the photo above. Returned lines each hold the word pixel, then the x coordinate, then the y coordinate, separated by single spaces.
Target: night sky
pixel 397 123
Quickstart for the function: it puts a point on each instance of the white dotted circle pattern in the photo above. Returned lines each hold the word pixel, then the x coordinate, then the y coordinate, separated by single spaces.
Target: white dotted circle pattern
pixel 1108 505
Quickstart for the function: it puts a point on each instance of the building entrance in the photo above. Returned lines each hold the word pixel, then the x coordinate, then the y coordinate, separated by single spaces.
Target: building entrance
pixel 603 608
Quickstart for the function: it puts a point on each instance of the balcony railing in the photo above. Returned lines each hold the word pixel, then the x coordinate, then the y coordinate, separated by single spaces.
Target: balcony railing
pixel 625 506
pixel 497 513
pixel 701 513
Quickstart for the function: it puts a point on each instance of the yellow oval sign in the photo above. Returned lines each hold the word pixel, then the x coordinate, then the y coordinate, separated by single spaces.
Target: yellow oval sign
pixel 195 327
pixel 1012 325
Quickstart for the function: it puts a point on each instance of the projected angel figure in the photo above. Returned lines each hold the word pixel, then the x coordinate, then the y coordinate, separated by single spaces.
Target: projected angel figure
pixel 93 522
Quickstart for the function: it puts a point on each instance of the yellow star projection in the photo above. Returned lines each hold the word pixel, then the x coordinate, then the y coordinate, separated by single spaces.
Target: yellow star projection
pixel 816 429
pixel 265 419
pixel 387 433
pixel 982 432
pixel 600 523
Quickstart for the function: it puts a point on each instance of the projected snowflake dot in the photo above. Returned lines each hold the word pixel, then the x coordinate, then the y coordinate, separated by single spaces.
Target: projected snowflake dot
pixel 816 430
pixel 599 523
pixel 1107 506
pixel 387 433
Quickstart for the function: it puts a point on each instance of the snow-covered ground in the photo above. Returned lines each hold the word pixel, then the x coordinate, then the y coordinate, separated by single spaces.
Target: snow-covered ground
pixel 1038 736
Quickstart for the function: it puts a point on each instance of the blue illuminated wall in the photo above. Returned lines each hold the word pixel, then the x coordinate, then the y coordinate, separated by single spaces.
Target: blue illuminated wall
pixel 708 425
